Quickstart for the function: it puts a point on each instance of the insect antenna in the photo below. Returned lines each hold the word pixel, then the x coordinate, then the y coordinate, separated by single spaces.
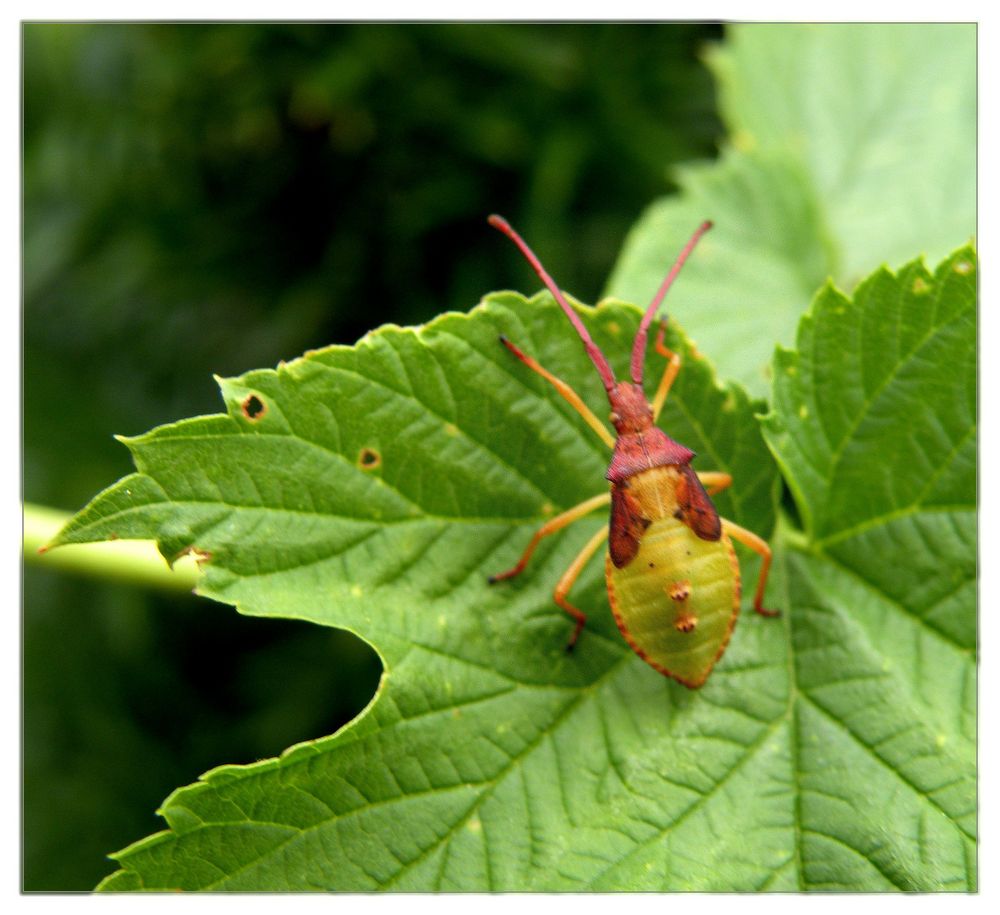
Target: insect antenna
pixel 596 356
pixel 639 347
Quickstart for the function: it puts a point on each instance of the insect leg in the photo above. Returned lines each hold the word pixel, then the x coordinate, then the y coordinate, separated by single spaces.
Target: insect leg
pixel 714 481
pixel 566 391
pixel 759 546
pixel 550 527
pixel 669 374
pixel 569 579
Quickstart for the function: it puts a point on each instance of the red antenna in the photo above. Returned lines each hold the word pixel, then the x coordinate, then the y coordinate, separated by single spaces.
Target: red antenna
pixel 596 356
pixel 639 347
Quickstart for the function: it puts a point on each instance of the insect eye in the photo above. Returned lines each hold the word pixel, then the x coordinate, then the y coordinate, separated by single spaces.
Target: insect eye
pixel 614 417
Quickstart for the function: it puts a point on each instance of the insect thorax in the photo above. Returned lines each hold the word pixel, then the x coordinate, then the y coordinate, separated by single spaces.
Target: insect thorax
pixel 655 491
pixel 651 449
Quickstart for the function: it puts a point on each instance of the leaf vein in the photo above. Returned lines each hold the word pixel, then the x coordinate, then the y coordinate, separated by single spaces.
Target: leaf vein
pixel 927 796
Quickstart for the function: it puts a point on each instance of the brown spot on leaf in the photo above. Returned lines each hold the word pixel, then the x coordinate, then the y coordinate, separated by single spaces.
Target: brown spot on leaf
pixel 369 459
pixel 253 407
pixel 199 555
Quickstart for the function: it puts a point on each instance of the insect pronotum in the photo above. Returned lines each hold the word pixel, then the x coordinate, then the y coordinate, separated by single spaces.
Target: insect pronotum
pixel 672 574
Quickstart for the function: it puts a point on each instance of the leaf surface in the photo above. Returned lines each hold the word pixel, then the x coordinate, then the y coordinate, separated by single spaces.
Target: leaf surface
pixel 467 771
pixel 874 427
pixel 832 748
pixel 850 146
pixel 883 117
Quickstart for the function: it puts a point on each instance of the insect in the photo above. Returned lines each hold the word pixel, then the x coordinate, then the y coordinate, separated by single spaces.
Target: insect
pixel 672 574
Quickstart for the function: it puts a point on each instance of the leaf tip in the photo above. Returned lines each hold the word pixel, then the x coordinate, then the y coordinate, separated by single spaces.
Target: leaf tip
pixel 128 440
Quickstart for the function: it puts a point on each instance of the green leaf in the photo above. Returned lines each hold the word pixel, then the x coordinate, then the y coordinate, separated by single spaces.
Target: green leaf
pixel 755 271
pixel 882 115
pixel 830 749
pixel 852 145
pixel 874 427
pixel 490 758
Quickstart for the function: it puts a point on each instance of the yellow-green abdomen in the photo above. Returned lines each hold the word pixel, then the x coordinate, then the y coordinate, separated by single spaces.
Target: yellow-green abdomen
pixel 676 602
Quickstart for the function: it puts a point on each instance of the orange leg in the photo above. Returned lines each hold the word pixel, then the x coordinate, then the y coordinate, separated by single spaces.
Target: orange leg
pixel 566 391
pixel 569 579
pixel 669 374
pixel 550 527
pixel 715 481
pixel 759 546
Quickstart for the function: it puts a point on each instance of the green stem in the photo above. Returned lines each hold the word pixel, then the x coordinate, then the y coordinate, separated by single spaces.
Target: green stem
pixel 133 561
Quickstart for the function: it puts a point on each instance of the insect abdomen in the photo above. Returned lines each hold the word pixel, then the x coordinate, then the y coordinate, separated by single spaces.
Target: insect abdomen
pixel 676 602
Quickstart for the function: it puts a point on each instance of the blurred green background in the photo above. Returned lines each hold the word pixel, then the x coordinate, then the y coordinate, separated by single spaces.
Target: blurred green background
pixel 211 199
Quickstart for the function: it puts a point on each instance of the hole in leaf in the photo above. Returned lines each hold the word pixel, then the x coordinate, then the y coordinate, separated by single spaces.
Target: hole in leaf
pixel 253 407
pixel 369 459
